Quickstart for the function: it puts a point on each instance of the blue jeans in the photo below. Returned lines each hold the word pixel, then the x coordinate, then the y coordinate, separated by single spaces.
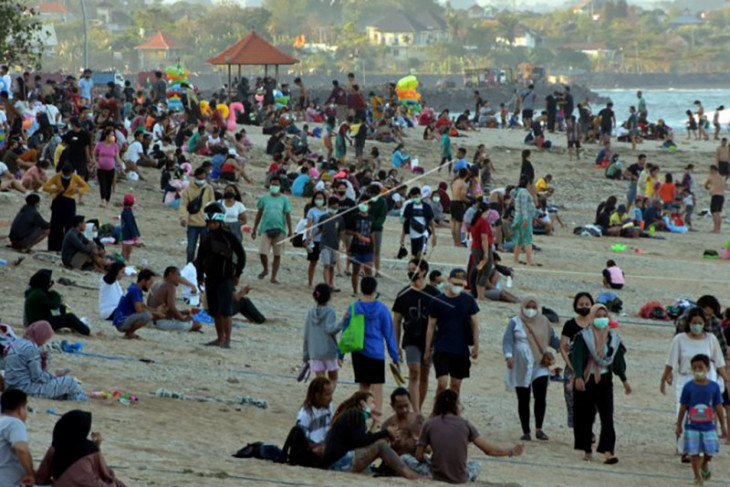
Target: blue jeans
pixel 194 233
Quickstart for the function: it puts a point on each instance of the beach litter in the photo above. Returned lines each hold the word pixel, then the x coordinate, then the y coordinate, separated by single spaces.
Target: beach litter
pixel 245 400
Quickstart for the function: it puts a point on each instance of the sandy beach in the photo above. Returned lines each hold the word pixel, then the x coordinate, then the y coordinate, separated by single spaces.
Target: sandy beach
pixel 170 442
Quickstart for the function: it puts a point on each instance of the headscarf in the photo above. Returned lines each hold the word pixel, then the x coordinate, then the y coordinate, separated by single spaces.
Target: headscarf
pixel 596 341
pixel 539 339
pixel 41 280
pixel 70 441
pixel 40 331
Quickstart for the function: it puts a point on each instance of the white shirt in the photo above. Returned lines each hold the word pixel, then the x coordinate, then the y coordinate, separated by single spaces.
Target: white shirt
pixel 6 84
pixel 134 151
pixel 3 168
pixel 683 348
pixel 158 132
pixel 233 212
pixel 109 296
pixel 3 118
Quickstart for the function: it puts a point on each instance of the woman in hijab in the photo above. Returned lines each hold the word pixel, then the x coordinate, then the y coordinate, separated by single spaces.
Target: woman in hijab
pixel 26 367
pixel 525 345
pixel 73 460
pixel 597 355
pixel 42 304
pixel 525 213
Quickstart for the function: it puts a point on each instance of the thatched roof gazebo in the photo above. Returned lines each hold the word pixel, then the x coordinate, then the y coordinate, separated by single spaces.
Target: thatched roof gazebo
pixel 252 50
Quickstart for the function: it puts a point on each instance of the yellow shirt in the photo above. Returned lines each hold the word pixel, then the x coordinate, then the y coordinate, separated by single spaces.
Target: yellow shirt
pixel 76 186
pixel 57 155
pixel 542 185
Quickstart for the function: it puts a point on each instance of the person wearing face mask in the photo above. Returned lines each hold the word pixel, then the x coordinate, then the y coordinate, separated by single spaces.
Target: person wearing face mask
pixel 273 224
pixel 693 341
pixel 313 235
pixel 525 346
pixel 597 355
pixel 235 211
pixel 106 152
pixel 361 250
pixel 378 213
pixel 453 327
pixel 194 200
pixel 417 219
pixel 350 448
pixel 436 279
pixel 582 306
pixel 64 186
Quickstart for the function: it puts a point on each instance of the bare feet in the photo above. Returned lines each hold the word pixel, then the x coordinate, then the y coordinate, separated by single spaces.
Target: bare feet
pixel 263 274
pixel 131 336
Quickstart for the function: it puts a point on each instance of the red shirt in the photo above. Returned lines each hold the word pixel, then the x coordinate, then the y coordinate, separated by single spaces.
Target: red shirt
pixel 477 230
pixel 274 167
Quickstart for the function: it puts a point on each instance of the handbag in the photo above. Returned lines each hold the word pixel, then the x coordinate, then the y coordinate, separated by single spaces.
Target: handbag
pixel 548 359
pixel 353 338
pixel 195 205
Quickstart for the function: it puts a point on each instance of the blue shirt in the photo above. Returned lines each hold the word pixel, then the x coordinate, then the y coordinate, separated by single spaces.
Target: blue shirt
pixel 453 323
pixel 85 86
pixel 316 214
pixel 397 159
pixel 126 307
pixel 701 400
pixel 460 164
pixel 297 187
pixel 378 328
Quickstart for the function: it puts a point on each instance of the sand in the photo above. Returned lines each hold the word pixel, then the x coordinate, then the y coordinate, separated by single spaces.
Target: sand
pixel 170 442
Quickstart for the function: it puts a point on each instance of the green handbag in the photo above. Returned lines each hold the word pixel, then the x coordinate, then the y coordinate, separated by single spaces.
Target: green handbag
pixel 353 338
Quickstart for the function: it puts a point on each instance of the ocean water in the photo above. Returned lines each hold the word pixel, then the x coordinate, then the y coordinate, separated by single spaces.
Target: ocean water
pixel 670 104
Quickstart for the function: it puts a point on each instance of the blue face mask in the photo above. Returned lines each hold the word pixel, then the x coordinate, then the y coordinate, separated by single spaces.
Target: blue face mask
pixel 367 412
pixel 200 182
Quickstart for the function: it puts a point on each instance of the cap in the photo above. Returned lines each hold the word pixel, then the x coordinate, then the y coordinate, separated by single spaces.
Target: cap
pixel 457 274
pixel 425 191
pixel 232 152
pixel 621 208
pixel 128 199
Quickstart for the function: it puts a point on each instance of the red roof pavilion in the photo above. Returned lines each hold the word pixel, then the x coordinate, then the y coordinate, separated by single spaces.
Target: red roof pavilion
pixel 252 50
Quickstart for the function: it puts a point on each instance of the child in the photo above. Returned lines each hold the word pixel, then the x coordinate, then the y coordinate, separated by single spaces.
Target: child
pixel 130 232
pixel 613 276
pixel 320 328
pixel 699 398
pixel 445 148
pixel 688 199
pixel 315 415
pixel 332 227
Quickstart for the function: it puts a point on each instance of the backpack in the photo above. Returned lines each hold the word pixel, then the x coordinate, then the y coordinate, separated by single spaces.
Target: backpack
pixel 297 451
pixel 653 310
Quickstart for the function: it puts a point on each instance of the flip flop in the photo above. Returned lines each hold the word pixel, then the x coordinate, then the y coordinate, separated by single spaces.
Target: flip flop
pixel 395 370
pixel 303 373
pixel 611 461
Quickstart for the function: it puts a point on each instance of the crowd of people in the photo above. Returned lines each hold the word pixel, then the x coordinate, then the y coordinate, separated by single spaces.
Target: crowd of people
pixel 64 140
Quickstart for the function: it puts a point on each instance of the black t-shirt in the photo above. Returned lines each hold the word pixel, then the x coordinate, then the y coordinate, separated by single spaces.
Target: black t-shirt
pixel 570 329
pixel 363 225
pixel 527 172
pixel 413 307
pixel 76 144
pixel 606 117
pixel 551 104
pixel 635 170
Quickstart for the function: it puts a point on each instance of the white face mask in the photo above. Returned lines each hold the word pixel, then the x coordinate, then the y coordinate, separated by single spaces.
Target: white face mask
pixel 530 313
pixel 456 289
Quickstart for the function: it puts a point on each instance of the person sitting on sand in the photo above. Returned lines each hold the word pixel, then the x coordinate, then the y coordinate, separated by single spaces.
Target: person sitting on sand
pixel 42 304
pixel 350 448
pixel 163 294
pixel 131 313
pixel 613 276
pixel 28 228
pixel 110 291
pixel 448 435
pixel 26 367
pixel 315 415
pixel 72 459
pixel 408 422
pixel 78 252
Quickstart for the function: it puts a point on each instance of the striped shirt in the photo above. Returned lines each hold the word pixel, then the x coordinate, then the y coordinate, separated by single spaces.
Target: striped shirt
pixel 315 422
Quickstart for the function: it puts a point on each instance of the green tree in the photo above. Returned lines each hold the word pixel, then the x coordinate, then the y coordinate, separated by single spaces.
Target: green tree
pixel 21 36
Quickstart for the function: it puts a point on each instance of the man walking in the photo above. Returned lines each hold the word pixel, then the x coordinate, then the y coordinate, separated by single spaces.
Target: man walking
pixel 273 224
pixel 194 199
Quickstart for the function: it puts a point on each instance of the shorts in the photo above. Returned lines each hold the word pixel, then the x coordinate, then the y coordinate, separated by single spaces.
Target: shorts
pixel 716 203
pixel 313 253
pixel 526 113
pixel 574 143
pixel 377 236
pixel 274 245
pixel 328 257
pixel 345 463
pixel 418 245
pixel 361 258
pixel 414 355
pixel 696 442
pixel 451 364
pixel 458 208
pixel 724 168
pixel 130 320
pixel 368 370
pixel 323 365
pixel 219 293
pixel 172 325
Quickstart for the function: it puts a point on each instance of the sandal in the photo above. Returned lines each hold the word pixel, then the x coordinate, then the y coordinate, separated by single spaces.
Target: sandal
pixel 706 474
pixel 686 459
pixel 611 461
pixel 541 436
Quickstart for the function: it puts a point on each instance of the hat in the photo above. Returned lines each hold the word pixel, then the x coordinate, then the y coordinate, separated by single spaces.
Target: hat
pixel 232 152
pixel 458 274
pixel 128 200
pixel 621 208
pixel 425 191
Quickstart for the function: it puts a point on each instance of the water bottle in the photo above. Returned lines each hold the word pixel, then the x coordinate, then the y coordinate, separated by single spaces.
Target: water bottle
pixel 509 281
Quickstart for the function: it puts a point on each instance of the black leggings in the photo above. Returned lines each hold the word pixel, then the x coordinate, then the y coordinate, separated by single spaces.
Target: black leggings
pixel 596 396
pixel 106 181
pixel 71 321
pixel 63 211
pixel 539 389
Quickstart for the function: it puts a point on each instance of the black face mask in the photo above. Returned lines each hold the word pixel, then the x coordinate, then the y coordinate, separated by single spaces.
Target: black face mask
pixel 583 311
pixel 229 195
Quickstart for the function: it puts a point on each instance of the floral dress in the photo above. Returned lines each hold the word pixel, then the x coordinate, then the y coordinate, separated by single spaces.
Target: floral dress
pixel 525 211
